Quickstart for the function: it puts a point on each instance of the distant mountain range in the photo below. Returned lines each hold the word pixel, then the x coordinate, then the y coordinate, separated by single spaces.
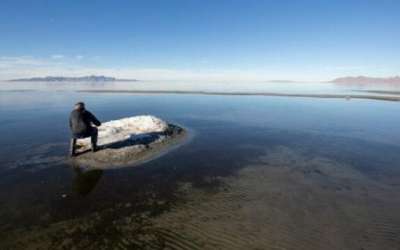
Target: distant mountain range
pixel 367 80
pixel 353 80
pixel 363 80
pixel 91 78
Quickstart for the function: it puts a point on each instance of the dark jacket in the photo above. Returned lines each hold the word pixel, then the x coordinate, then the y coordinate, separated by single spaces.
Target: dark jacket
pixel 80 122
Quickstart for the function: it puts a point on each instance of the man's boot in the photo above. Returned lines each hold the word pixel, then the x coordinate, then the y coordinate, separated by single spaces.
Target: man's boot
pixel 94 147
pixel 72 147
pixel 94 140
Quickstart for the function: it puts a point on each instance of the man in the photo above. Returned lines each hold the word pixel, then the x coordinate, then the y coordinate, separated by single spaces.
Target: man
pixel 81 124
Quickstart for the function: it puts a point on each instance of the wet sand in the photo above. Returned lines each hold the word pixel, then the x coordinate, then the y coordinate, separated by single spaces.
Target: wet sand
pixel 336 96
pixel 289 202
pixel 285 199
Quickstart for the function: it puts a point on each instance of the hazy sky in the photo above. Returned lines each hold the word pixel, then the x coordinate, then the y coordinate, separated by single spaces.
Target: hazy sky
pixel 200 39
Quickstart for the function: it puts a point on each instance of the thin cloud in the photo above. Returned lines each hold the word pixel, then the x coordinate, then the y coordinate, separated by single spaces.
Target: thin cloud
pixel 27 66
pixel 57 56
pixel 10 62
pixel 21 68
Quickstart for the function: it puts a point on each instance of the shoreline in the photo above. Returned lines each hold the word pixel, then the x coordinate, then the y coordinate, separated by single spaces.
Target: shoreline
pixel 336 96
pixel 384 92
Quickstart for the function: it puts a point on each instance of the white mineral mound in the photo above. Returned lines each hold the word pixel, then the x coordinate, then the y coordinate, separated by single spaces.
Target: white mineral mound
pixel 129 128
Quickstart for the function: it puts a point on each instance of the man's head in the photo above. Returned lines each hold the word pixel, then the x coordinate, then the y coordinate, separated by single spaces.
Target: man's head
pixel 80 106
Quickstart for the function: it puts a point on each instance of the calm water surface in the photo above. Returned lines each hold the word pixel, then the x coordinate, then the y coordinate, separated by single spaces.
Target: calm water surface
pixel 343 158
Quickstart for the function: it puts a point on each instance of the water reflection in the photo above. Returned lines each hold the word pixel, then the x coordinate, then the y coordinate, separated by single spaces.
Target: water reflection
pixel 85 180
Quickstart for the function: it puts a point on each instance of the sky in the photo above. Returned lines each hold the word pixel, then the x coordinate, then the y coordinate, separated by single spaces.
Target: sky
pixel 305 40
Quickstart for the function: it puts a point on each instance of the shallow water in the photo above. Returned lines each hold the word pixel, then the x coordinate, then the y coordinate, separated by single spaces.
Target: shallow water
pixel 259 173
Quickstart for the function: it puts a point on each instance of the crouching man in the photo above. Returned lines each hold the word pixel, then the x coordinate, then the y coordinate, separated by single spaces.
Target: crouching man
pixel 83 124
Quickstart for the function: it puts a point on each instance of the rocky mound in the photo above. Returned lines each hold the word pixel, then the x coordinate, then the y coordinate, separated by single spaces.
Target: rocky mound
pixel 129 141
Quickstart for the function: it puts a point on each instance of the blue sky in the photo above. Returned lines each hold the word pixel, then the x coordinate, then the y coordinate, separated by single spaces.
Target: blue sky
pixel 208 39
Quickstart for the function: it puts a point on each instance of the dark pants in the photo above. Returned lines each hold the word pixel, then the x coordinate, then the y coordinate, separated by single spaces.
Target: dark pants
pixel 92 133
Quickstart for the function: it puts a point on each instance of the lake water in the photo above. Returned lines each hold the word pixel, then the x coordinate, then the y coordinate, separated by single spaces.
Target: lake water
pixel 260 172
